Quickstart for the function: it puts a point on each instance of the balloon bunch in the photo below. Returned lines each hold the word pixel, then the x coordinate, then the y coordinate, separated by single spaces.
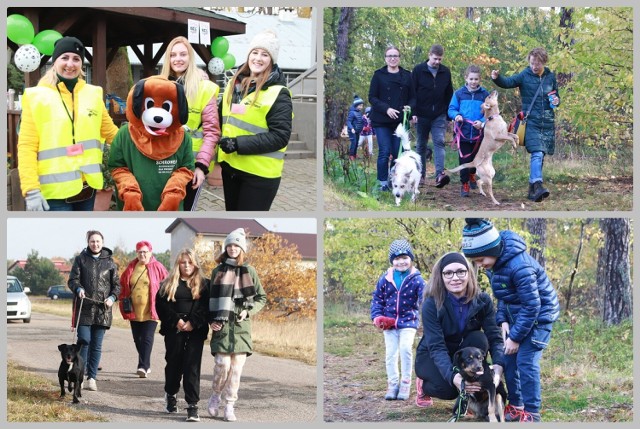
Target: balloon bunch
pixel 222 59
pixel 20 31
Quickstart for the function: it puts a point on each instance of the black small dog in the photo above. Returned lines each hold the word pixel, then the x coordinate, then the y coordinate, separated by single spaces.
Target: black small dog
pixel 488 404
pixel 71 370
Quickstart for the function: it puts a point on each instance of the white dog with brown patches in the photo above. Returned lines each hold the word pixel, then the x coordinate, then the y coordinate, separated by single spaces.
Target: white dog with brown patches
pixel 405 174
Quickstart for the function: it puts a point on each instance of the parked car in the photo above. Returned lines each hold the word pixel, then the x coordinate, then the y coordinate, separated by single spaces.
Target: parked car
pixel 59 292
pixel 18 304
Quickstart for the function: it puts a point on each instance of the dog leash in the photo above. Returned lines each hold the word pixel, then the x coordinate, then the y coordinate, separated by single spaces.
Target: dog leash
pixel 461 409
pixel 75 328
pixel 457 136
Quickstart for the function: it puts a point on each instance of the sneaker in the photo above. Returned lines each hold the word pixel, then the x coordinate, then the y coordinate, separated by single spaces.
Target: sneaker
pixel 513 414
pixel 464 190
pixel 405 390
pixel 473 182
pixel 213 405
pixel 142 373
pixel 229 415
pixel 352 157
pixel 392 392
pixel 90 385
pixel 422 400
pixel 442 180
pixel 171 403
pixel 192 413
pixel 149 371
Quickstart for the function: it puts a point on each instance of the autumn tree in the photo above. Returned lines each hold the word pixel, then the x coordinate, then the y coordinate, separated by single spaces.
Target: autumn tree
pixel 614 274
pixel 38 274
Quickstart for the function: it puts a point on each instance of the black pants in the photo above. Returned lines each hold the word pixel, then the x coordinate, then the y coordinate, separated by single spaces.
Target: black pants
pixel 247 192
pixel 184 358
pixel 466 147
pixel 433 383
pixel 143 333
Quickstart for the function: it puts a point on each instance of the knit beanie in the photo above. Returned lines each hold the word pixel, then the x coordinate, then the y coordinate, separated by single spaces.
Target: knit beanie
pixel 480 238
pixel 357 100
pixel 399 248
pixel 267 40
pixel 237 237
pixel 67 44
pixel 451 258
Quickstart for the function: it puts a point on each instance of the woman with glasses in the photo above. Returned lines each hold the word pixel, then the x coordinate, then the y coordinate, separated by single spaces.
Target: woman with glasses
pixel 140 282
pixel 391 96
pixel 455 314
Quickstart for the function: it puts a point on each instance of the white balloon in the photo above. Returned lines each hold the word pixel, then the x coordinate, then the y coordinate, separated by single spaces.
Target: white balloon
pixel 216 66
pixel 27 58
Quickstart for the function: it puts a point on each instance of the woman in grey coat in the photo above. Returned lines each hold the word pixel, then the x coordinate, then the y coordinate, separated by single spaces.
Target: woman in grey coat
pixel 540 132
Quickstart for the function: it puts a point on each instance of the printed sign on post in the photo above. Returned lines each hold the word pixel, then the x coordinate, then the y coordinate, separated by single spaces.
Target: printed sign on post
pixel 193 31
pixel 205 35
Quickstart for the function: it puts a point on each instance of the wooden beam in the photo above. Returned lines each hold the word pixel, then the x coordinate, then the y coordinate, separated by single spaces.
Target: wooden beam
pixel 99 44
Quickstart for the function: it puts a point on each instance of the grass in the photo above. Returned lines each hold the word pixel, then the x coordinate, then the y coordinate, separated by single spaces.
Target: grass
pixel 30 398
pixel 587 373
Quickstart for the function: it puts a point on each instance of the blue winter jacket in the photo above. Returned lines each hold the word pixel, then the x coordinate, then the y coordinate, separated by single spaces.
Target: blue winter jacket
pixel 354 120
pixel 400 302
pixel 525 295
pixel 469 105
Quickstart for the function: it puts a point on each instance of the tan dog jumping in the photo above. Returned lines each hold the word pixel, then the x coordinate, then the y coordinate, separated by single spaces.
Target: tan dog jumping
pixel 495 135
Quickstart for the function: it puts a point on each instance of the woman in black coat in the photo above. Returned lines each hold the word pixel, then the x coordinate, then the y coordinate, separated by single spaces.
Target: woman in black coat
pixel 390 94
pixel 455 314
pixel 540 133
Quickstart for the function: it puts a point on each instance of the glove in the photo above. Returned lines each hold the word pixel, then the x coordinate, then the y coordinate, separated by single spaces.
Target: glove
pixel 384 323
pixel 228 145
pixel 170 202
pixel 35 202
pixel 132 201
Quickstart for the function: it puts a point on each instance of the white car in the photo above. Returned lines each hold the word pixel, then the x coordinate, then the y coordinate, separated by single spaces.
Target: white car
pixel 18 304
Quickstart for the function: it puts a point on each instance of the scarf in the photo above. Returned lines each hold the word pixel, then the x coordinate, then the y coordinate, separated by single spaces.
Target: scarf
pixel 232 283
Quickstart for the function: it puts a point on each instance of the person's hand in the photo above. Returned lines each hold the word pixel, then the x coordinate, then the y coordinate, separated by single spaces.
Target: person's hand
pixel 495 74
pixel 392 113
pixel 555 100
pixel 180 324
pixel 477 125
pixel 458 118
pixel 243 315
pixel 108 302
pixel 505 331
pixel 215 326
pixel 198 178
pixel 497 374
pixel 35 202
pixel 81 294
pixel 511 347
pixel 228 145
pixel 406 108
pixel 377 321
pixel 187 327
pixel 469 387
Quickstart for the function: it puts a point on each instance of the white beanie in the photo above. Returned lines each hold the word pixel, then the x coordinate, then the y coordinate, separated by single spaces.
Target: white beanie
pixel 267 40
pixel 237 237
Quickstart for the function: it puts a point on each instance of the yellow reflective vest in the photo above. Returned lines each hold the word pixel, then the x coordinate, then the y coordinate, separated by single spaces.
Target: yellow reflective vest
pixel 252 122
pixel 206 91
pixel 62 166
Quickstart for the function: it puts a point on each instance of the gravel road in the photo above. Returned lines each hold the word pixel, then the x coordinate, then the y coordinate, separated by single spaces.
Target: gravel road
pixel 272 389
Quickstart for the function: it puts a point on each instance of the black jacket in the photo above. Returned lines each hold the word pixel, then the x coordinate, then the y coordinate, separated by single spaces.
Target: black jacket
pixel 433 95
pixel 197 312
pixel 99 279
pixel 389 90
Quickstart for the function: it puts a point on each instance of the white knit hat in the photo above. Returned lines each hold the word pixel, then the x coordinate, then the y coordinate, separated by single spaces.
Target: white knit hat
pixel 237 237
pixel 267 40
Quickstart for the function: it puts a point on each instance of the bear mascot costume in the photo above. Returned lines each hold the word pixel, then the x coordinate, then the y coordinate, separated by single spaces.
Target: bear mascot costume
pixel 151 158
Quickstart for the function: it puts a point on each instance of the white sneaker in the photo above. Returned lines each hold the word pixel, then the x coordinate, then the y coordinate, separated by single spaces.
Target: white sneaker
pixel 149 371
pixel 229 415
pixel 214 404
pixel 405 390
pixel 90 384
pixel 142 373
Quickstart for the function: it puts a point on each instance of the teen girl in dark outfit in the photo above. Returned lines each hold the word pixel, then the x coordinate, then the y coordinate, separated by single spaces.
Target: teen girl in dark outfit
pixel 182 303
pixel 455 314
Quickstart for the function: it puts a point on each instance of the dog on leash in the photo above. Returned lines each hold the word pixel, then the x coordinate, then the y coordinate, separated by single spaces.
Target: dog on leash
pixel 495 135
pixel 487 404
pixel 71 370
pixel 405 174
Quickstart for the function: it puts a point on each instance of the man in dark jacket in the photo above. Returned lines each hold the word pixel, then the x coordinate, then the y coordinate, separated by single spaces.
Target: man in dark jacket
pixel 433 89
pixel 95 282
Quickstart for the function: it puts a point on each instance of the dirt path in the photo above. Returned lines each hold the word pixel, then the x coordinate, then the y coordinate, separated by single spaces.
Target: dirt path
pixel 272 389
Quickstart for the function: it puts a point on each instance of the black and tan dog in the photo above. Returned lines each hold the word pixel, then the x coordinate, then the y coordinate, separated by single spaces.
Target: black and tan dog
pixel 487 404
pixel 71 370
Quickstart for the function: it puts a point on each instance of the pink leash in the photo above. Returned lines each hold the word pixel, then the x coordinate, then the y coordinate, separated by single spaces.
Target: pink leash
pixel 457 135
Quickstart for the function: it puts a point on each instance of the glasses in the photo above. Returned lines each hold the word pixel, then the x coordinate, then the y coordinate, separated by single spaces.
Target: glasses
pixel 449 274
pixel 392 56
pixel 142 252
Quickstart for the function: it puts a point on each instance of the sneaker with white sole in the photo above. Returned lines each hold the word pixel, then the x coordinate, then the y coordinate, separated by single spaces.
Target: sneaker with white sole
pixel 171 403
pixel 229 413
pixel 422 400
pixel 192 413
pixel 142 373
pixel 392 392
pixel 405 390
pixel 213 405
pixel 90 384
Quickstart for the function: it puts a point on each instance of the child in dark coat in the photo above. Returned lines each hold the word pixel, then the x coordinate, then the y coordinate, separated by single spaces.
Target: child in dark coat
pixel 354 125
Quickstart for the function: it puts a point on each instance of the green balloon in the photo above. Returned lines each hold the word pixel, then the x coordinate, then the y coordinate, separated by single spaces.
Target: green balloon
pixel 219 46
pixel 19 29
pixel 45 41
pixel 229 61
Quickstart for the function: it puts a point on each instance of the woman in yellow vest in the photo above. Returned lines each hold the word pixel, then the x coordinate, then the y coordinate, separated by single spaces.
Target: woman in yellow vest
pixel 63 128
pixel 257 115
pixel 202 96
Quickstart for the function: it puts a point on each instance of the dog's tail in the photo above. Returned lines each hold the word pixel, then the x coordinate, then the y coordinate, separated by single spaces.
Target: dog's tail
pixel 471 164
pixel 402 132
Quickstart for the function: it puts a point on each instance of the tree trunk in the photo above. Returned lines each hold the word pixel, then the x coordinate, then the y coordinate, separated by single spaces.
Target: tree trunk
pixel 119 79
pixel 538 229
pixel 469 13
pixel 614 274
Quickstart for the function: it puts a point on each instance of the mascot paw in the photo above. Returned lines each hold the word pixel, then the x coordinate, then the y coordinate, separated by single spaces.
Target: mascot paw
pixel 170 202
pixel 133 203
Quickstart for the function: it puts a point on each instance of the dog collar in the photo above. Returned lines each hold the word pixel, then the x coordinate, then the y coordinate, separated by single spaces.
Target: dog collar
pixel 492 117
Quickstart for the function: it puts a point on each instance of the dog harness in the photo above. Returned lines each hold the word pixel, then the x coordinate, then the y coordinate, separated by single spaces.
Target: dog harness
pixel 457 136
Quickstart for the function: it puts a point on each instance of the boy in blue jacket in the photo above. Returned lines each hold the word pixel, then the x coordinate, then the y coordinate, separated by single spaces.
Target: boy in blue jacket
pixel 527 307
pixel 465 109
pixel 395 309
pixel 355 125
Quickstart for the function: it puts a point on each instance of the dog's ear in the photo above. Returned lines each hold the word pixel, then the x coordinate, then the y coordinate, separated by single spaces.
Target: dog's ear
pixel 61 347
pixel 75 347
pixel 138 98
pixel 183 106
pixel 456 357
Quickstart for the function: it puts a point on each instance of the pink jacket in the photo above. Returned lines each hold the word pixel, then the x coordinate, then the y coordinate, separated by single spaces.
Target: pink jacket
pixel 210 131
pixel 156 272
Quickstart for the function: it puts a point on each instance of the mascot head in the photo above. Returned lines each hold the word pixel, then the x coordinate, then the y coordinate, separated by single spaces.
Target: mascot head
pixel 156 110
